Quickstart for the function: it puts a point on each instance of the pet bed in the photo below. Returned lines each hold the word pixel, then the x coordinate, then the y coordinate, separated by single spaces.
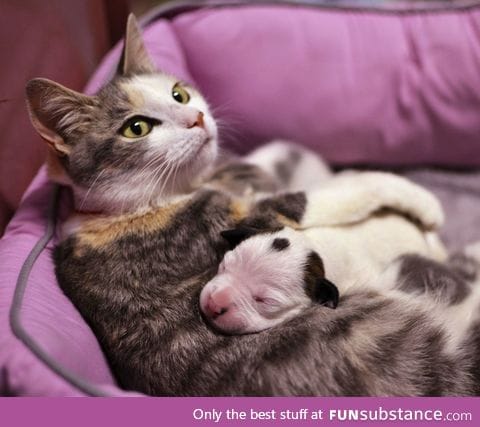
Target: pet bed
pixel 386 85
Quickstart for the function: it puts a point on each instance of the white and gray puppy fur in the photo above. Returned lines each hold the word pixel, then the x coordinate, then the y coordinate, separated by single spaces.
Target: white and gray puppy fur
pixel 267 279
pixel 260 283
pixel 295 167
pixel 270 277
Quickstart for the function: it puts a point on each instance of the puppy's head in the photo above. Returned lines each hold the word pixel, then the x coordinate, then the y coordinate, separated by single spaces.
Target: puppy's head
pixel 265 280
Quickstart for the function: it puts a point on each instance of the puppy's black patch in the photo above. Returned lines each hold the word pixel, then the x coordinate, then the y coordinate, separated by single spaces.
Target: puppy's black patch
pixel 326 293
pixel 235 236
pixel 317 287
pixel 279 244
pixel 314 269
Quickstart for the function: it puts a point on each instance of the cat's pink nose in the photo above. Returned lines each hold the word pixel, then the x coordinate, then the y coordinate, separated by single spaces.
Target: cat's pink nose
pixel 199 121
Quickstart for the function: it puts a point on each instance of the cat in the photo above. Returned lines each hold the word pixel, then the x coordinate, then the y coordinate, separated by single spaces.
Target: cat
pixel 135 258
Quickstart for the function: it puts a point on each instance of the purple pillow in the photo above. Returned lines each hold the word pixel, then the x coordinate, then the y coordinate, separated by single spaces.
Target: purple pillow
pixel 359 87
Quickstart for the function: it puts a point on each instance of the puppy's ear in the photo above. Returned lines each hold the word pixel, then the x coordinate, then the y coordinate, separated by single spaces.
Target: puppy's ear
pixel 326 293
pixel 318 288
pixel 235 236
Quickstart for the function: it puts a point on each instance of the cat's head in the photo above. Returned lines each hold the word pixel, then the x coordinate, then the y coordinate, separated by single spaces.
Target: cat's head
pixel 143 137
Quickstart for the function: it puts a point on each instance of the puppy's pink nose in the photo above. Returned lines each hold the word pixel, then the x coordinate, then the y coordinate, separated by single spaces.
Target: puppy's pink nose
pixel 213 311
pixel 219 302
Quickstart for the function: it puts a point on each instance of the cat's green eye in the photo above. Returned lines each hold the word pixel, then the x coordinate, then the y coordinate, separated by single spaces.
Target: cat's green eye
pixel 179 94
pixel 136 128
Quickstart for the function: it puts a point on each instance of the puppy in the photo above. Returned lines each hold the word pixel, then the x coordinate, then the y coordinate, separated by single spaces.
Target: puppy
pixel 269 277
pixel 265 280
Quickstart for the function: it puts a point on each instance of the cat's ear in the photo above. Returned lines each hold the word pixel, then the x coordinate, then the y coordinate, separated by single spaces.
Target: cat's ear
pixel 52 108
pixel 135 58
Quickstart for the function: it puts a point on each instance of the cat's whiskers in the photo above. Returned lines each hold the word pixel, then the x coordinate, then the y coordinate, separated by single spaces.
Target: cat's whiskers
pixel 224 111
pixel 230 124
pixel 98 202
pixel 118 192
pixel 159 177
pixel 154 167
pixel 168 181
pixel 82 204
pixel 150 163
pixel 174 176
pixel 180 160
pixel 170 168
pixel 224 153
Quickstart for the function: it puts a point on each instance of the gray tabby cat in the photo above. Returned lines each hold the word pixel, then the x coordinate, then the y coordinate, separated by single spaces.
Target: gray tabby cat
pixel 147 239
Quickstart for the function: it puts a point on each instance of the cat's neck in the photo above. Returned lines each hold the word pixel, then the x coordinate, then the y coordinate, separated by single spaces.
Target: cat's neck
pixel 78 220
pixel 135 195
pixel 128 200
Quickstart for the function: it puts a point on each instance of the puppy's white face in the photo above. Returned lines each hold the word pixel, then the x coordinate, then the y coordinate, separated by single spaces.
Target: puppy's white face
pixel 259 284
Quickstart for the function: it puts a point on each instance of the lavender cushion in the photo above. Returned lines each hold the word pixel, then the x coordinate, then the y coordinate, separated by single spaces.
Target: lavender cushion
pixel 358 87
